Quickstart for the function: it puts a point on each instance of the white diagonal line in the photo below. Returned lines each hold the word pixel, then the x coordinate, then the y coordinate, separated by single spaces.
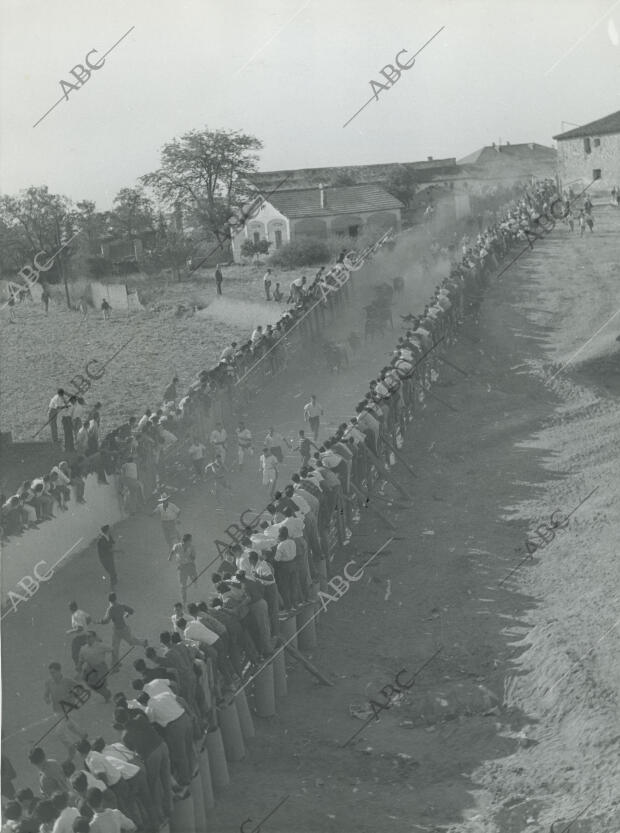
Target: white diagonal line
pixel 582 38
pixel 273 37
pixel 589 651
pixel 583 346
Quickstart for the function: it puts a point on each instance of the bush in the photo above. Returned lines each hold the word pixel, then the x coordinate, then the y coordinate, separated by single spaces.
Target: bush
pixel 303 252
pixel 251 249
pixel 99 267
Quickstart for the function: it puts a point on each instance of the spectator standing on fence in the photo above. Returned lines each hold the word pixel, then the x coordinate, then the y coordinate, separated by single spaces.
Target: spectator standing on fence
pixel 218 279
pixel 169 515
pixel 312 415
pixel 219 441
pixel 105 550
pixel 106 309
pixel 117 613
pixel 267 284
pixel 57 404
pixel 184 556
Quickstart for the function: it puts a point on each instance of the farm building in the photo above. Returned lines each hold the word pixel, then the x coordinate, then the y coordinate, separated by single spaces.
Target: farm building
pixel 319 212
pixel 591 152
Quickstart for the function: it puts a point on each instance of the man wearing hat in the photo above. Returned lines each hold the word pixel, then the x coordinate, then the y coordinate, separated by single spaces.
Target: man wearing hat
pixel 169 515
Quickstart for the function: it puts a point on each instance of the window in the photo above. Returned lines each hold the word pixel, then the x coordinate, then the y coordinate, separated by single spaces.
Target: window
pixel 597 143
pixel 586 145
pixel 353 231
pixel 278 236
pixel 256 237
pixel 596 173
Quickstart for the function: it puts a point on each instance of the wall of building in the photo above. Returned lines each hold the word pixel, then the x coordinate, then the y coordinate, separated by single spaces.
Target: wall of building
pixel 575 164
pixel 265 223
pixel 367 221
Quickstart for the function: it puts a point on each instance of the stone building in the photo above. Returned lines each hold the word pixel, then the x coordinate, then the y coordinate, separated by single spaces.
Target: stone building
pixel 503 165
pixel 319 212
pixel 591 152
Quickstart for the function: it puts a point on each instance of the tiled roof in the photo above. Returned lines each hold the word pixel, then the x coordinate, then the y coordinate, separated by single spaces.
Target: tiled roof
pixel 608 124
pixel 524 151
pixel 350 199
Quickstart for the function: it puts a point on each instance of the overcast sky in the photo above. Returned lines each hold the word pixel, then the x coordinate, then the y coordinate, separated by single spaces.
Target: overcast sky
pixel 291 72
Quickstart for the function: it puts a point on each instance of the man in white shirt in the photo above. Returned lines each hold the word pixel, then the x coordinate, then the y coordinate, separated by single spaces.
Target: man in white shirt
pixel 218 440
pixel 244 443
pixel 64 822
pixel 312 414
pixel 267 284
pixel 57 404
pixel 166 711
pixel 107 820
pixel 196 453
pixel 169 516
pixel 80 621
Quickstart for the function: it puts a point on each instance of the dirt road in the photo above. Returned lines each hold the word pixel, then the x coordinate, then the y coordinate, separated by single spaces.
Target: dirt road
pixel 515 724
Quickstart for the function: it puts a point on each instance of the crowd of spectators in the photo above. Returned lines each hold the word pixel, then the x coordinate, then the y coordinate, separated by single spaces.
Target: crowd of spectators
pixel 269 571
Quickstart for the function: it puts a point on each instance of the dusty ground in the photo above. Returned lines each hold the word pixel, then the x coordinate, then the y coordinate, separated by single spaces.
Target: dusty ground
pixel 40 354
pixel 515 724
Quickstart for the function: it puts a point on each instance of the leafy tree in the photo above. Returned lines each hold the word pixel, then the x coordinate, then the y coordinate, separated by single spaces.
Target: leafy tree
pixel 401 183
pixel 132 214
pixel 92 223
pixel 172 248
pixel 206 172
pixel 36 221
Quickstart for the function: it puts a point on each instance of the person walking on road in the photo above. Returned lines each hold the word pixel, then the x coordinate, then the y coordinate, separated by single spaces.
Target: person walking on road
pixel 105 550
pixel 218 279
pixel 275 443
pixel 312 415
pixel 184 556
pixel 267 284
pixel 117 613
pixel 269 468
pixel 80 620
pixel 169 516
pixel 244 443
pixel 582 223
pixel 219 441
pixel 106 309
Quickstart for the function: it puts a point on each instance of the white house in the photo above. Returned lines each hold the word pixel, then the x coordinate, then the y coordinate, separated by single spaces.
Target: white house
pixel 319 212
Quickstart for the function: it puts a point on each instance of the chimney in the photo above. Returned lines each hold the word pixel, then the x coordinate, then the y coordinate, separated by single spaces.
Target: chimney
pixel 429 158
pixel 322 195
